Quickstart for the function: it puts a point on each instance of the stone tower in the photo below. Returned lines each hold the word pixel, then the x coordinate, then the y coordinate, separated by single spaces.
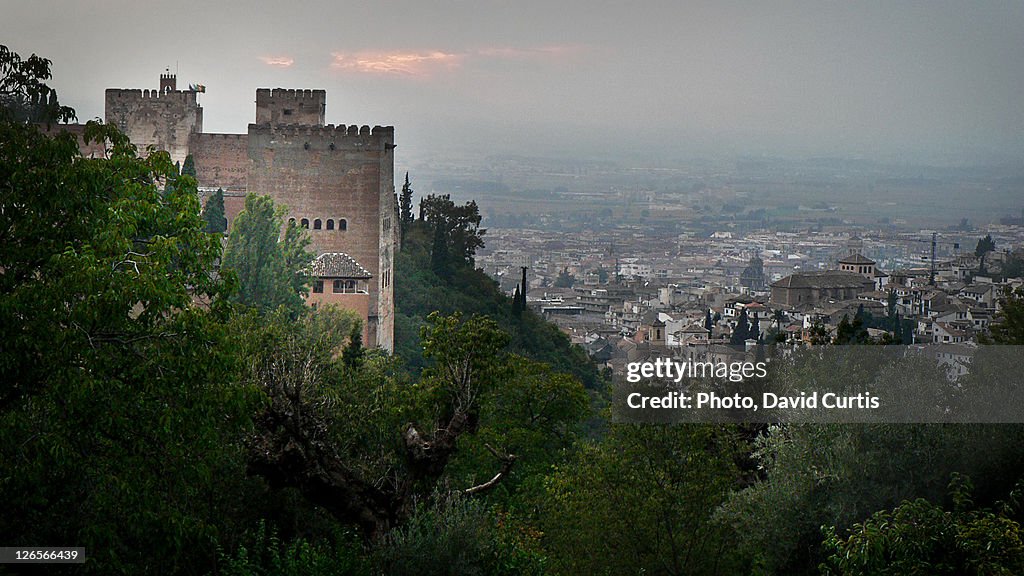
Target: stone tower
pixel 337 182
pixel 280 106
pixel 163 119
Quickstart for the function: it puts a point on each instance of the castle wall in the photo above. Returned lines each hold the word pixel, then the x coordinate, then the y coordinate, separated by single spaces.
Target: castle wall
pixel 164 120
pixel 281 106
pixel 342 173
pixel 222 160
pixel 341 176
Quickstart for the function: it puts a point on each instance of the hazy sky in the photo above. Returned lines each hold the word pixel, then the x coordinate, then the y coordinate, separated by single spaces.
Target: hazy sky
pixel 640 79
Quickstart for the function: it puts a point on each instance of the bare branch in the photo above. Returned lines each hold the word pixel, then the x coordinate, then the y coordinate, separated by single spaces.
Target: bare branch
pixel 507 460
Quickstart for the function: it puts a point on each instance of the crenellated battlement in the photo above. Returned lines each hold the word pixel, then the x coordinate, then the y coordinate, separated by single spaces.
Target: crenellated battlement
pixel 286 106
pixel 218 136
pixel 128 94
pixel 290 94
pixel 342 133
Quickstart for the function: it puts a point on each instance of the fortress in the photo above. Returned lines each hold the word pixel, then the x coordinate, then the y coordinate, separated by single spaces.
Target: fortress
pixel 336 181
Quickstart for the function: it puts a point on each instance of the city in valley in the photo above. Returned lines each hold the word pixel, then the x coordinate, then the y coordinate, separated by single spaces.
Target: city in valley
pixel 637 263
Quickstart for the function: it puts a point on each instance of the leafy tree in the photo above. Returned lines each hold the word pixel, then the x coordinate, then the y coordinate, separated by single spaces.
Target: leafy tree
pixel 647 493
pixel 353 354
pixel 457 226
pixel 1008 325
pixel 120 415
pixel 440 260
pixel 420 291
pixel 839 474
pixel 24 95
pixel 919 537
pixel 213 213
pixel 985 245
pixel 459 535
pixel 270 266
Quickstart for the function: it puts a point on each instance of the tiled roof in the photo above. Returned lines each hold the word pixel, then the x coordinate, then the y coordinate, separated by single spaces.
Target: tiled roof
pixel 337 265
pixel 827 279
pixel 856 258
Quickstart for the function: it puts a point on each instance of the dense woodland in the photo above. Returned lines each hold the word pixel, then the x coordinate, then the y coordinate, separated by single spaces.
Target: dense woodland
pixel 176 409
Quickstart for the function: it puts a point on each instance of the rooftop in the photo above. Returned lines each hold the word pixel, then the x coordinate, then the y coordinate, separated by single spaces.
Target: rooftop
pixel 337 265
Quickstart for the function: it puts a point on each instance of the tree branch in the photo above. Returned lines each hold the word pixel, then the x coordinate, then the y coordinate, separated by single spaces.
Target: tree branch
pixel 507 460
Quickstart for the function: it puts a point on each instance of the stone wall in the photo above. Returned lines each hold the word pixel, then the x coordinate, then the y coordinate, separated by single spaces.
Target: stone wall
pixel 281 106
pixel 164 120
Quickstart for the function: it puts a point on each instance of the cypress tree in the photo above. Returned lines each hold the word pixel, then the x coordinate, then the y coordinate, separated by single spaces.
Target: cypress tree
pixel 213 213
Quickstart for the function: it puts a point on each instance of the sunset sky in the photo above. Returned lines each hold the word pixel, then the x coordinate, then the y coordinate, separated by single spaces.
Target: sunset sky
pixel 651 81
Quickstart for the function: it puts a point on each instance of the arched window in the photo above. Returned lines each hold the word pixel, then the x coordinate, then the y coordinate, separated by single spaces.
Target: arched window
pixel 305 223
pixel 291 221
pixel 330 224
pixel 317 224
pixel 342 224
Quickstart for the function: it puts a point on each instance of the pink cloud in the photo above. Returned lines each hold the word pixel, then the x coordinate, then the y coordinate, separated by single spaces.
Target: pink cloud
pixel 277 61
pixel 424 63
pixel 398 63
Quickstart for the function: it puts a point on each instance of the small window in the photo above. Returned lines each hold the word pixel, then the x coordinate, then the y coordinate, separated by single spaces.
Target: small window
pixel 305 223
pixel 287 111
pixel 342 224
pixel 318 286
pixel 291 221
pixel 317 224
pixel 330 224
pixel 339 286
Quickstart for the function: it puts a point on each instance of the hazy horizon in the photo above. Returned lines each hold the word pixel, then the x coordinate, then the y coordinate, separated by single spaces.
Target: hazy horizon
pixel 651 83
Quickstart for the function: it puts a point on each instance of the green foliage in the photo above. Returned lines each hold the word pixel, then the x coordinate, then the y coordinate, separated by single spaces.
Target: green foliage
pixel 419 291
pixel 641 502
pixel 459 536
pixel 405 217
pixel 265 554
pixel 119 405
pixel 838 474
pixel 851 333
pixel 1008 325
pixel 985 245
pixel 213 213
pixel 271 267
pixel 457 232
pixel 353 354
pixel 534 413
pixel 918 537
pixel 189 167
pixel 24 95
